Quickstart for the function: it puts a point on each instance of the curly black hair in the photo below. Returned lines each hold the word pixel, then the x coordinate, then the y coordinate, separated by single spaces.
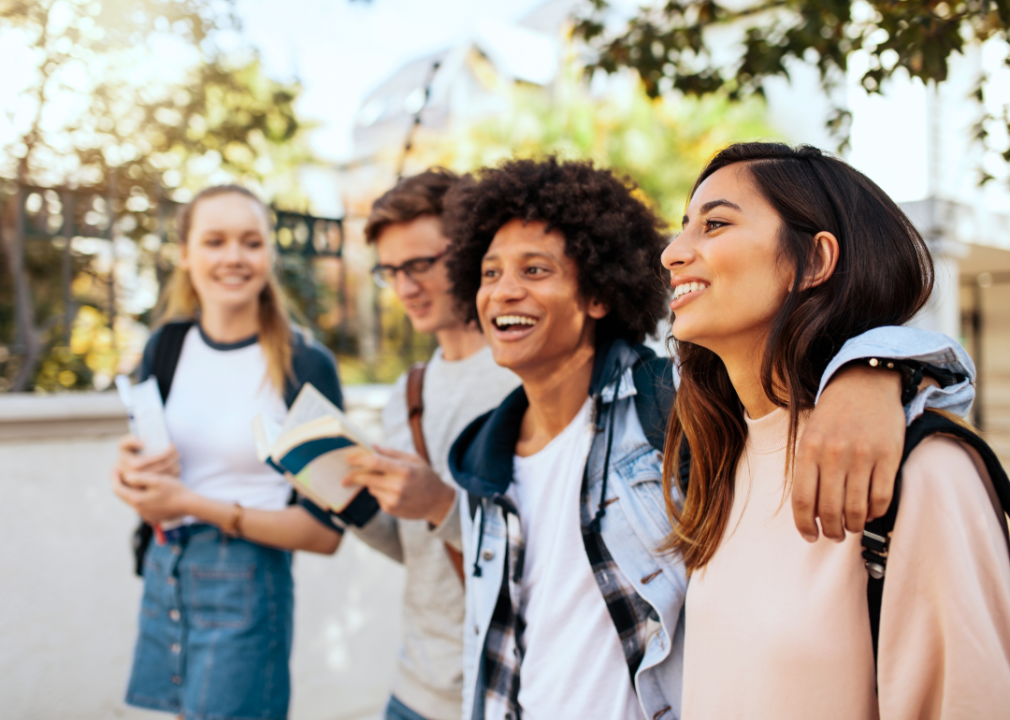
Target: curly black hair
pixel 614 238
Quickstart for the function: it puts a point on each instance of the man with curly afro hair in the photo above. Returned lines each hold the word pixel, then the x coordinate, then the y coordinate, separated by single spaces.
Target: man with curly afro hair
pixel 616 238
pixel 563 512
pixel 559 262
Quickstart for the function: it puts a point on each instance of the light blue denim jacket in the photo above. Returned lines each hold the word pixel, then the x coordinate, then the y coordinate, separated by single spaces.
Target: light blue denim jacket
pixel 635 523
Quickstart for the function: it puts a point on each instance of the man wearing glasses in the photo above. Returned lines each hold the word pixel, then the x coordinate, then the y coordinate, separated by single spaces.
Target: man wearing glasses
pixel 419 523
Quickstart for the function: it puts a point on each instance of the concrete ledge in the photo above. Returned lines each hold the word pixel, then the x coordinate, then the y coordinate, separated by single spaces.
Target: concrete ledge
pixel 27 416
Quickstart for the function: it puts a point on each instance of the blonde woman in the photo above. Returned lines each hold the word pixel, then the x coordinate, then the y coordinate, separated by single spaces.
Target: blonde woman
pixel 216 616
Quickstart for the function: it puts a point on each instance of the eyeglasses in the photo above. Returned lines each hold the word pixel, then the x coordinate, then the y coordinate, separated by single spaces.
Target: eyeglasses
pixel 416 268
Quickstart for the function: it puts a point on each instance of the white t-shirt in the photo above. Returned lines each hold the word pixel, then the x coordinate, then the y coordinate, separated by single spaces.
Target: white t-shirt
pixel 216 391
pixel 573 664
pixel 429 672
pixel 455 393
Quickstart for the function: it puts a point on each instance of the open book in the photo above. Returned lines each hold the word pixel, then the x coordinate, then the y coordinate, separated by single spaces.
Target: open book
pixel 311 448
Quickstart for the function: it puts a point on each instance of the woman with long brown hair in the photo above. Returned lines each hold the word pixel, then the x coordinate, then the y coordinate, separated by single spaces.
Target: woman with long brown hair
pixel 216 615
pixel 784 256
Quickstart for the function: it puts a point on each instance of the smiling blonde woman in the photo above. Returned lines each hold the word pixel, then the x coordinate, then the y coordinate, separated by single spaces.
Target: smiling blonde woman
pixel 216 616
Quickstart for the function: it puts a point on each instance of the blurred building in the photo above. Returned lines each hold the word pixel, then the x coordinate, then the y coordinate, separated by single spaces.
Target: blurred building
pixel 916 142
pixel 919 144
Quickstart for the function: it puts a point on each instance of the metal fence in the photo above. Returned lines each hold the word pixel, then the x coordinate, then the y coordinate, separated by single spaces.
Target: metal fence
pixel 65 248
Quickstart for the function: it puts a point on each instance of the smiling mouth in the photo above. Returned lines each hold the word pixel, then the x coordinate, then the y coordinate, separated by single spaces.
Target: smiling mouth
pixel 233 280
pixel 685 288
pixel 513 323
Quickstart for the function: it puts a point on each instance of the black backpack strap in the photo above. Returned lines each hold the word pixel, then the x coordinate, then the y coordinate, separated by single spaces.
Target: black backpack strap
pixel 163 364
pixel 473 502
pixel 166 354
pixel 654 396
pixel 877 534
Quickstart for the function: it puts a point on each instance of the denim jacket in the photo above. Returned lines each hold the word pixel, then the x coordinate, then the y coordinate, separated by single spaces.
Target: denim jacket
pixel 644 588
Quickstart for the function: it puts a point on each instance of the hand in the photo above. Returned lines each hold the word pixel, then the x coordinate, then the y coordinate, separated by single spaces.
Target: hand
pixel 403 484
pixel 849 454
pixel 130 460
pixel 154 496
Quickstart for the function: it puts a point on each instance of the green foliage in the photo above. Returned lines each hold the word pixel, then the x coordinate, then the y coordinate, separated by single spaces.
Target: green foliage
pixel 107 117
pixel 683 45
pixel 670 41
pixel 661 144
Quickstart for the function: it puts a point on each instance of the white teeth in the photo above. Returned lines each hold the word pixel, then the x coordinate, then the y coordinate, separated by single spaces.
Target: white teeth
pixel 506 320
pixel 685 288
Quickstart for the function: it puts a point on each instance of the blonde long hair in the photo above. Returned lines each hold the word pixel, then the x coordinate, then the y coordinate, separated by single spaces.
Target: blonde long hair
pixel 179 301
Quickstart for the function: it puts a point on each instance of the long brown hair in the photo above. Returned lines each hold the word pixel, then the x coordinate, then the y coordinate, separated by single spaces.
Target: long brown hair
pixel 179 301
pixel 884 276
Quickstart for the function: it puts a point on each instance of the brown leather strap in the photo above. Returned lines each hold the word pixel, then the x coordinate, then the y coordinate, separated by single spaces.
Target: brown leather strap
pixel 415 410
pixel 456 558
pixel 415 407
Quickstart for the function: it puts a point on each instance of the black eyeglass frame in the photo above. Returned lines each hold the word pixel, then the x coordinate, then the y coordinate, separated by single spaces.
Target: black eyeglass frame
pixel 427 262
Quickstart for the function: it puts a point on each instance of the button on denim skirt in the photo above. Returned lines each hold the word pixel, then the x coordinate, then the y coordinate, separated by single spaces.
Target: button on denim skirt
pixel 215 629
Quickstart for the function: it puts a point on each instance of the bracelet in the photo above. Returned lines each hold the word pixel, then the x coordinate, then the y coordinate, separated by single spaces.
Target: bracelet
pixel 911 375
pixel 234 526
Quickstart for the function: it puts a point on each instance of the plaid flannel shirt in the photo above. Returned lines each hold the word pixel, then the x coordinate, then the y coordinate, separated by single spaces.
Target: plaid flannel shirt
pixel 504 647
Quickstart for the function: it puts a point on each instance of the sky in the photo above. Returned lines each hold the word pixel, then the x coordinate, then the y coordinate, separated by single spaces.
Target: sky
pixel 342 49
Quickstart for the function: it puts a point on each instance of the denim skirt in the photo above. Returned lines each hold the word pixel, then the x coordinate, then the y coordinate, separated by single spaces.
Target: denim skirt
pixel 215 628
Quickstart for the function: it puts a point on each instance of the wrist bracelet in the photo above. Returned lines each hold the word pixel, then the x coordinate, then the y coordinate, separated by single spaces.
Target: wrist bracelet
pixel 234 527
pixel 911 375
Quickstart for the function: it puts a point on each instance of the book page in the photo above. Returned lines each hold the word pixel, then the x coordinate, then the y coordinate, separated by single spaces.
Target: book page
pixel 265 433
pixel 323 478
pixel 313 446
pixel 312 404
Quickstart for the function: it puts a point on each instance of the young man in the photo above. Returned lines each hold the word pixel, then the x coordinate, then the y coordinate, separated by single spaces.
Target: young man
pixel 572 609
pixel 419 523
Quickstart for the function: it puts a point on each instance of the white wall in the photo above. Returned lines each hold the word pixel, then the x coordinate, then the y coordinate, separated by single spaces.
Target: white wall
pixel 69 599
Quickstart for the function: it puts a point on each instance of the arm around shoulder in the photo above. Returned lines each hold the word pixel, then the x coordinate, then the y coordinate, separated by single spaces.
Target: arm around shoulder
pixel 932 349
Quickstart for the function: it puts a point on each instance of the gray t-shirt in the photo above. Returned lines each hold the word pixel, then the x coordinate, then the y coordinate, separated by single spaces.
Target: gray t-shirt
pixel 429 673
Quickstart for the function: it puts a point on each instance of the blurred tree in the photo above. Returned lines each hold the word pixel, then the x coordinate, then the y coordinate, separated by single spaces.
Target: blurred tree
pixel 699 46
pixel 103 110
pixel 661 143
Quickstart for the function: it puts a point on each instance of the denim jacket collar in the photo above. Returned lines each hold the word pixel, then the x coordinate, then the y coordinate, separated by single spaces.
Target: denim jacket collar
pixel 481 458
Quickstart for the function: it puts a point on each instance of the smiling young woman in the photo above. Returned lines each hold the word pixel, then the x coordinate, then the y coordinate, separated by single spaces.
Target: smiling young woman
pixel 216 616
pixel 229 282
pixel 785 255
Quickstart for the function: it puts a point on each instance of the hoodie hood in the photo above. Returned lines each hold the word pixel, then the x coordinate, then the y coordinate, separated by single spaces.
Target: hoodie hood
pixel 481 458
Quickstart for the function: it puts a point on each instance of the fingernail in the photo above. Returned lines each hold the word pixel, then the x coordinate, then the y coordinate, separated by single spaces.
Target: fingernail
pixel 810 538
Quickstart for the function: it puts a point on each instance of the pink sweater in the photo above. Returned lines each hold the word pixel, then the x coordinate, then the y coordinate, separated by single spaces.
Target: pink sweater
pixel 778 628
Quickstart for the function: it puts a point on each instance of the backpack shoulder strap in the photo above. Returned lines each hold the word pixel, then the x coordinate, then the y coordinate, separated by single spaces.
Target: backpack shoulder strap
pixel 877 535
pixel 166 357
pixel 415 407
pixel 654 396
pixel 415 411
pixel 166 354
